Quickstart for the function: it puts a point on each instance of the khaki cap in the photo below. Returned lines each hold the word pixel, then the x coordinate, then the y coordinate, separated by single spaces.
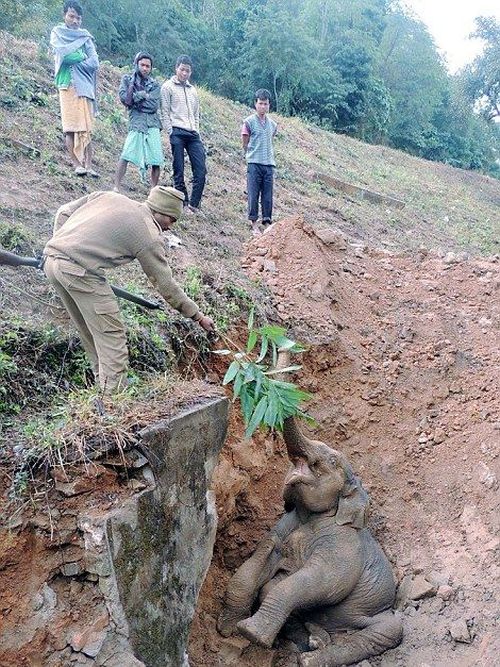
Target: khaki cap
pixel 166 200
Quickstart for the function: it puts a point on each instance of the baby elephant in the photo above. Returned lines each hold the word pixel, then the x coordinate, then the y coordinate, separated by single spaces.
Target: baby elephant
pixel 319 570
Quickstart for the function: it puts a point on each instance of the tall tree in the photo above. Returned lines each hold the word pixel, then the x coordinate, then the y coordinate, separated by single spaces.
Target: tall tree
pixel 481 78
pixel 415 75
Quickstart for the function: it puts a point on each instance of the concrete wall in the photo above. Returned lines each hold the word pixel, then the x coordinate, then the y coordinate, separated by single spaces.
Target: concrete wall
pixel 162 547
pixel 116 587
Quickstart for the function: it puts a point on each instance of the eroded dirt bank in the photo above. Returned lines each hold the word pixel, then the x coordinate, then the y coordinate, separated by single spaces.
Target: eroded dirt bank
pixel 403 362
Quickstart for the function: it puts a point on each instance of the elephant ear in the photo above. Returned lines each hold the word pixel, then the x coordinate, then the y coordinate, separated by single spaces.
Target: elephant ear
pixel 353 502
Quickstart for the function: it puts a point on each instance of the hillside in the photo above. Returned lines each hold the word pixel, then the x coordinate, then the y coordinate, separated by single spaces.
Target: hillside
pixel 400 309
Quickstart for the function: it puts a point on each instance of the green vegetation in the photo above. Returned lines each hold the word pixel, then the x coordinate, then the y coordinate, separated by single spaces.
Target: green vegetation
pixel 14 236
pixel 224 303
pixel 264 400
pixel 35 364
pixel 57 438
pixel 481 78
pixel 83 425
pixel 367 68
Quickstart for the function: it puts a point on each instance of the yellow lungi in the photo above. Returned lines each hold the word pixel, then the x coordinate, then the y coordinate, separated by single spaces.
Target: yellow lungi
pixel 76 116
pixel 94 311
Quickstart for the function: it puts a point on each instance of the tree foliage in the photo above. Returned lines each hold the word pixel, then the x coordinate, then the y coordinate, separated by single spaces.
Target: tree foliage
pixel 368 68
pixel 481 78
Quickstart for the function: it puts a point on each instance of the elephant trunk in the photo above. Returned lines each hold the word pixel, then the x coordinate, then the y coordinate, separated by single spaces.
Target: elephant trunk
pixel 297 445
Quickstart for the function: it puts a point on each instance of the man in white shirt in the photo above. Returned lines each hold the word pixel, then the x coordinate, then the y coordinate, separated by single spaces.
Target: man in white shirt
pixel 180 115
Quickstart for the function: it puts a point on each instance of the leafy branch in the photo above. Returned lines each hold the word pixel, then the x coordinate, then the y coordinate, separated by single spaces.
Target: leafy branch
pixel 264 399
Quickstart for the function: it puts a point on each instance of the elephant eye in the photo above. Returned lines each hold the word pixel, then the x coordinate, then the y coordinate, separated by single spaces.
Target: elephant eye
pixel 315 466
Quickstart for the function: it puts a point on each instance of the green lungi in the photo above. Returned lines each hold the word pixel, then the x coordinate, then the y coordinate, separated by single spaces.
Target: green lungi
pixel 143 150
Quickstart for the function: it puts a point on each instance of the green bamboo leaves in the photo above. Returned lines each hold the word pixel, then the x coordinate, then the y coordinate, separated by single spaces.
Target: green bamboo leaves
pixel 264 400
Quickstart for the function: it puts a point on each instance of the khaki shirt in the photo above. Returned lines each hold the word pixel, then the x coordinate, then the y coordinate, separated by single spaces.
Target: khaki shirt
pixel 105 230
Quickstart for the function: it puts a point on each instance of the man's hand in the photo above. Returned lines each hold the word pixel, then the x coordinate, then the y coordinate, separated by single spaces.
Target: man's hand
pixel 207 323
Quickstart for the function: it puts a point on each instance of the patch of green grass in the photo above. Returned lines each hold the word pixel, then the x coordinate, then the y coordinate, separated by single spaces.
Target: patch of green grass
pixel 36 364
pixel 13 236
pixel 193 284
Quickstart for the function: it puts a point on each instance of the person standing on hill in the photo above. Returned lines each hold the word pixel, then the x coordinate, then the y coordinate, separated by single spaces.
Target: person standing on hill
pixel 180 114
pixel 76 64
pixel 140 93
pixel 257 135
pixel 101 231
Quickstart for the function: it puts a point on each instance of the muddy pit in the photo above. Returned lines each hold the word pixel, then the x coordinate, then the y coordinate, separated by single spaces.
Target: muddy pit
pixel 403 363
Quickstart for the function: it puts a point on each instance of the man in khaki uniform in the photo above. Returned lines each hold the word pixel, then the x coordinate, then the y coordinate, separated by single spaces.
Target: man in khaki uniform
pixel 100 231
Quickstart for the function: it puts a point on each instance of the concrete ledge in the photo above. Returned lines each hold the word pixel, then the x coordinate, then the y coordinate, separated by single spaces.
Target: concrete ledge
pixel 356 191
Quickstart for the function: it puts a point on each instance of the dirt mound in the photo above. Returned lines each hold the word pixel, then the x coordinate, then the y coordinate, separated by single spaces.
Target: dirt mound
pixel 403 363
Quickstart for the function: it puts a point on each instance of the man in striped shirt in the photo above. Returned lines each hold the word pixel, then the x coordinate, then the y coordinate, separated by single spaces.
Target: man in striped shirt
pixel 180 115
pixel 257 138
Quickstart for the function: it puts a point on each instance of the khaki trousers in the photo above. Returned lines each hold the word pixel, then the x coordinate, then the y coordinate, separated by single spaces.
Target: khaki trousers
pixel 94 311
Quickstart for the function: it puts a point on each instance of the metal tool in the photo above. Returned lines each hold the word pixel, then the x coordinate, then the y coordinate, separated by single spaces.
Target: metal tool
pixel 11 259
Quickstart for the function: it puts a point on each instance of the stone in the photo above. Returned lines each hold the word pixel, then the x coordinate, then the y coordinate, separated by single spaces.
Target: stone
pixel 269 265
pixel 83 661
pixel 438 578
pixel 486 476
pixel 71 569
pixel 421 588
pixel 445 592
pixel 136 484
pixel 440 393
pixel 403 591
pixel 94 643
pixel 75 488
pixel 167 534
pixel 90 634
pixel 45 601
pixel 460 632
pixel 331 237
pixel 450 258
pixel 98 564
pixel 439 435
pixel 436 605
pixel 230 650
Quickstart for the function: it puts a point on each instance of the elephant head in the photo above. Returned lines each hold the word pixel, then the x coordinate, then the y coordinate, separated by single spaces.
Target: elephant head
pixel 321 480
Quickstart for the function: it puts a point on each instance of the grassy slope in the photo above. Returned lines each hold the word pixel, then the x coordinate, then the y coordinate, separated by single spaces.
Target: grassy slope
pixel 445 206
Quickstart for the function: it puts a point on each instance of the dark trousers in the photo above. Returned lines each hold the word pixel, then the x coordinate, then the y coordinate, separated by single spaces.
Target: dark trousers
pixel 189 141
pixel 260 179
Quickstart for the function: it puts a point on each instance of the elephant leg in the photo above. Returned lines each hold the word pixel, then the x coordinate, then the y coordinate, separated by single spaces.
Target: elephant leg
pixel 245 584
pixel 384 631
pixel 302 589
